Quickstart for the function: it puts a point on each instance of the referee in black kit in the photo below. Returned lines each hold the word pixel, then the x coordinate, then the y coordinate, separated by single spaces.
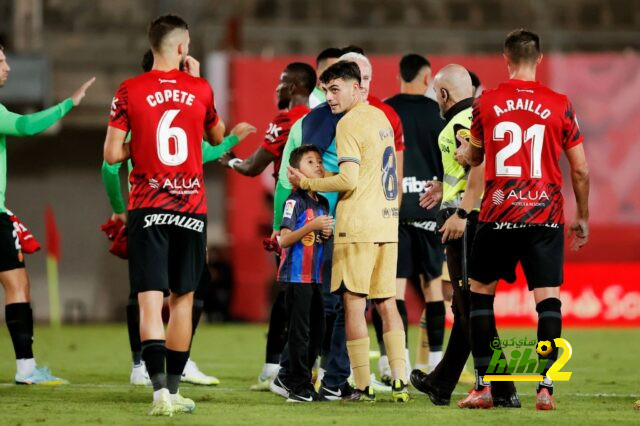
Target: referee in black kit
pixel 420 253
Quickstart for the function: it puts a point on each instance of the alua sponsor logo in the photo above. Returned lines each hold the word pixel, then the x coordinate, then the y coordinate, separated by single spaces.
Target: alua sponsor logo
pixel 514 196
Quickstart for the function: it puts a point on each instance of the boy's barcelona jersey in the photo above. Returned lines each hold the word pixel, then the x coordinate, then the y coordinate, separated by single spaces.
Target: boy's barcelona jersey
pixel 302 262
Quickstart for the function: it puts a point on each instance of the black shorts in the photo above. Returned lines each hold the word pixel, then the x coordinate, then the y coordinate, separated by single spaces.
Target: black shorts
pixel 167 250
pixel 419 250
pixel 497 249
pixel 11 256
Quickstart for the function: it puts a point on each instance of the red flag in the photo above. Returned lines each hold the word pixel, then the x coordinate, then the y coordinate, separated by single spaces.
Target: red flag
pixel 53 235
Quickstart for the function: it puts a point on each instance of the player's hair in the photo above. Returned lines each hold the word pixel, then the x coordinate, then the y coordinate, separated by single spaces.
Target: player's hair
pixel 147 61
pixel 299 152
pixel 304 73
pixel 522 46
pixel 162 26
pixel 352 48
pixel 1 48
pixel 346 70
pixel 330 52
pixel 475 80
pixel 410 66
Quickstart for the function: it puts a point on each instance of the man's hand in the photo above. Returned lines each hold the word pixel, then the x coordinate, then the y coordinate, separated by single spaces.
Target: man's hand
pixel 453 228
pixel 459 154
pixel 322 223
pixel 242 130
pixel 79 94
pixel 192 66
pixel 122 217
pixel 226 158
pixel 294 176
pixel 432 194
pixel 579 230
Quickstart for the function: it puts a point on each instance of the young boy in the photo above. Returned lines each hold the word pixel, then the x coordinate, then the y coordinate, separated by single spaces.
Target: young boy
pixel 304 230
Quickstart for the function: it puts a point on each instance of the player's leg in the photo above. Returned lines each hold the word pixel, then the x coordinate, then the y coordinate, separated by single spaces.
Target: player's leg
pixel 19 319
pixel 422 346
pixel 276 339
pixel 192 373
pixel 357 336
pixel 139 375
pixel 435 317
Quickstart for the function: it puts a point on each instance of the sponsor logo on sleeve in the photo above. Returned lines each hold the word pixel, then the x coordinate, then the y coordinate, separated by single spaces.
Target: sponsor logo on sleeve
pixel 288 208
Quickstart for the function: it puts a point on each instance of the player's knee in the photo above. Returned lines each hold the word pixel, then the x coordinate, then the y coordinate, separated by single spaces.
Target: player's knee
pixel 478 287
pixel 16 286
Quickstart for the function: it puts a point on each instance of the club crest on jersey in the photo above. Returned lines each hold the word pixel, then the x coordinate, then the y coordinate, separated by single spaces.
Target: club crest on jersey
pixel 273 131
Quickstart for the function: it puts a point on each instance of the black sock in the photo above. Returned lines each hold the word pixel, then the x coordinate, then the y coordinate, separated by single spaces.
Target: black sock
pixel 19 318
pixel 435 314
pixel 377 325
pixel 175 366
pixel 198 307
pixel 154 353
pixel 483 323
pixel 277 334
pixel 133 326
pixel 549 328
pixel 402 310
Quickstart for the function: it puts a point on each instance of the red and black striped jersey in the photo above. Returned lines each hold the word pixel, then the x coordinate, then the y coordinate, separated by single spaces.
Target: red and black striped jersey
pixel 524 128
pixel 166 113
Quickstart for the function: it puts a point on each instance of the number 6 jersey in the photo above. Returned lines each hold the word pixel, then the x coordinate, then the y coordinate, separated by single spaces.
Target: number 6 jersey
pixel 524 127
pixel 166 113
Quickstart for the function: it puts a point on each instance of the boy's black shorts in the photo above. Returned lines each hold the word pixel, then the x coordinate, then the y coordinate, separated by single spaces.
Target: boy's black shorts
pixel 498 247
pixel 167 250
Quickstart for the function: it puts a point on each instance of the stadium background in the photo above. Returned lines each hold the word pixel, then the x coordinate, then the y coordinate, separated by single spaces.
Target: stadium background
pixel 590 54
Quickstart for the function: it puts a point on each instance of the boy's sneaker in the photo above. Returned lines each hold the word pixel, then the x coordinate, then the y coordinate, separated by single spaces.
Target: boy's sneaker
pixel 181 404
pixel 366 395
pixel 307 394
pixel 478 399
pixel 544 400
pixel 40 376
pixel 139 375
pixel 193 375
pixel 399 391
pixel 162 404
pixel 327 393
pixel 279 387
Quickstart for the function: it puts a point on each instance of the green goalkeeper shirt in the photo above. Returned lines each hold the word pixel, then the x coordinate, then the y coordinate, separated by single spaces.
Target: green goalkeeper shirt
pixel 111 180
pixel 12 124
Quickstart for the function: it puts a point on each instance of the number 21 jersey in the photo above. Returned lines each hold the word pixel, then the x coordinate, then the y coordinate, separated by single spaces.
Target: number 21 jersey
pixel 166 113
pixel 524 127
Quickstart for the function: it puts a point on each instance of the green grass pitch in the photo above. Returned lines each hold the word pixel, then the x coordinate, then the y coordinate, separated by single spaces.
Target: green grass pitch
pixel 604 385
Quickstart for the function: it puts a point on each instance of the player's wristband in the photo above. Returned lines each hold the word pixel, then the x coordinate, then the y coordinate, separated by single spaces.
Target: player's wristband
pixel 234 162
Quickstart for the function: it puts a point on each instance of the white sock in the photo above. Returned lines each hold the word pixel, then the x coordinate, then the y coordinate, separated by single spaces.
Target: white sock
pixel 157 394
pixel 383 366
pixel 434 359
pixel 422 366
pixel 269 371
pixel 407 362
pixel 25 366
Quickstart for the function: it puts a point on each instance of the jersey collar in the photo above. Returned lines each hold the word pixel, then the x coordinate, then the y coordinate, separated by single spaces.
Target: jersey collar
pixel 456 108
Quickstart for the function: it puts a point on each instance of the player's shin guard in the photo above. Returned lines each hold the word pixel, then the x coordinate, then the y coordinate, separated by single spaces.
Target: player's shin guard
pixel 435 315
pixel 359 357
pixel 549 328
pixel 133 327
pixel 483 323
pixel 154 353
pixel 376 319
pixel 394 341
pixel 175 366
pixel 19 318
pixel 402 310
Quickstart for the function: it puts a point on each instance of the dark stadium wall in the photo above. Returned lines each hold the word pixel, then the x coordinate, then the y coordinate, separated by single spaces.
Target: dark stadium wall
pixel 615 228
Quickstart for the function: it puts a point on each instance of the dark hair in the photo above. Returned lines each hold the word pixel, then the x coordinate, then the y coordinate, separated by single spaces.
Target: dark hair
pixel 1 48
pixel 522 46
pixel 299 152
pixel 351 48
pixel 162 26
pixel 330 52
pixel 475 80
pixel 304 74
pixel 147 61
pixel 410 66
pixel 345 70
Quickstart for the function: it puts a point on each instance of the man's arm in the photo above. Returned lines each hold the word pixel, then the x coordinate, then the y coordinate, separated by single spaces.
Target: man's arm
pixel 237 134
pixel 474 153
pixel 111 182
pixel 255 164
pixel 580 181
pixel 455 226
pixel 31 124
pixel 215 134
pixel 115 148
pixel 345 180
pixel 283 187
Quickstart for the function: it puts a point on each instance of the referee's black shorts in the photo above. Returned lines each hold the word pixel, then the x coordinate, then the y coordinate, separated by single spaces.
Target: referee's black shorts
pixel 167 250
pixel 498 247
pixel 419 250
